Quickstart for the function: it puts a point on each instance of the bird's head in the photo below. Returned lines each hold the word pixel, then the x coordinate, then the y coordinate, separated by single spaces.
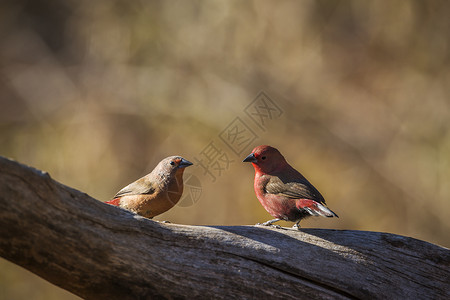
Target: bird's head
pixel 266 159
pixel 172 165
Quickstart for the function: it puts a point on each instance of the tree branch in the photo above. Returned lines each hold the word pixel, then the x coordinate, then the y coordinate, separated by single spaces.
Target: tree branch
pixel 98 251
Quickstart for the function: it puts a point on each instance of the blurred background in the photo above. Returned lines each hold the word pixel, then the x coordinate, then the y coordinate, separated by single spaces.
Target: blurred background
pixel 357 93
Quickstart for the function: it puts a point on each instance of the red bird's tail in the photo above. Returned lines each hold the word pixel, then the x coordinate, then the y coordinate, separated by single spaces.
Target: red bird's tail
pixel 315 208
pixel 115 202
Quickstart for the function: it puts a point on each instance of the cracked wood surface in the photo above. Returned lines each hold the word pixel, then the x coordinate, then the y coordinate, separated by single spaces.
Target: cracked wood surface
pixel 98 251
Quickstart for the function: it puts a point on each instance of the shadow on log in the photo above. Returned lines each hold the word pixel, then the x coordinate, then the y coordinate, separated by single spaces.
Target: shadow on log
pixel 98 251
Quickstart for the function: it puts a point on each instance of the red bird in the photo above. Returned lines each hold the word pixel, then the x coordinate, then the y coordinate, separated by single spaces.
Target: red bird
pixel 156 192
pixel 282 190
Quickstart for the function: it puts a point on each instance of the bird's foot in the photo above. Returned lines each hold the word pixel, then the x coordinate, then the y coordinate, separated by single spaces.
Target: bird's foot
pixel 165 222
pixel 296 226
pixel 269 224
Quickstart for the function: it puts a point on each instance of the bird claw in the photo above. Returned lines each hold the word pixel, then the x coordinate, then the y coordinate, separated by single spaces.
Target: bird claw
pixel 296 226
pixel 165 222
pixel 269 224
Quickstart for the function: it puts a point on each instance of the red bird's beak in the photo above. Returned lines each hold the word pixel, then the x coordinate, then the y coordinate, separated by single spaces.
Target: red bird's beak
pixel 250 158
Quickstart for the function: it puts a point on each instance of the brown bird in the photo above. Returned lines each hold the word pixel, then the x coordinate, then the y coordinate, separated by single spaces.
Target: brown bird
pixel 156 192
pixel 282 190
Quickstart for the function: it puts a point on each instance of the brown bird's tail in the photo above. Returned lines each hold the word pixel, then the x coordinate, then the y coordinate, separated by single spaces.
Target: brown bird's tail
pixel 115 201
pixel 315 208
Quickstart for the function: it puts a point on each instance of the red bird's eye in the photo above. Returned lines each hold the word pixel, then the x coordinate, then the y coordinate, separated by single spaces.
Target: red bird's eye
pixel 263 158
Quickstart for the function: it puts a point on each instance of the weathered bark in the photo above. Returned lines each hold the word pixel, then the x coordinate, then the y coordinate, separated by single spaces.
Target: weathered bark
pixel 98 251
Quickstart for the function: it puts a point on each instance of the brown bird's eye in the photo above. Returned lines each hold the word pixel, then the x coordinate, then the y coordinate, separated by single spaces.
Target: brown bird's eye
pixel 172 163
pixel 263 158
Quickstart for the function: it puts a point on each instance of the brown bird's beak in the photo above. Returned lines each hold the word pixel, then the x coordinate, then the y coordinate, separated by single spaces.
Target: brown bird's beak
pixel 250 158
pixel 184 163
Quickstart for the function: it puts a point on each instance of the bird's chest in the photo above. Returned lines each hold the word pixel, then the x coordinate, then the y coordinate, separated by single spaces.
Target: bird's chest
pixel 175 188
pixel 275 204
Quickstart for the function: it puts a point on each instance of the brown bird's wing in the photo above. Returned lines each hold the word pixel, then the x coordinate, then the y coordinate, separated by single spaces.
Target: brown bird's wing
pixel 293 189
pixel 138 187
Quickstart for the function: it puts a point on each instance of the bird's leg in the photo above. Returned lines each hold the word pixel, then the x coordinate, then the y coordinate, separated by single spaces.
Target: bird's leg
pixel 296 225
pixel 269 223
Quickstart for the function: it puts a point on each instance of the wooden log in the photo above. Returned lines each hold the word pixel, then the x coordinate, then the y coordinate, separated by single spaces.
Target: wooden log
pixel 98 251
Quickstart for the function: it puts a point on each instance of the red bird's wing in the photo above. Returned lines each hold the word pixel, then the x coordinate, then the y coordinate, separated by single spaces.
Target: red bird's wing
pixel 139 187
pixel 306 196
pixel 293 189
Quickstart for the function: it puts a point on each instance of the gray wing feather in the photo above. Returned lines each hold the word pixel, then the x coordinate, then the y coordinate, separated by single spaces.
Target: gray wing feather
pixel 138 187
pixel 293 190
